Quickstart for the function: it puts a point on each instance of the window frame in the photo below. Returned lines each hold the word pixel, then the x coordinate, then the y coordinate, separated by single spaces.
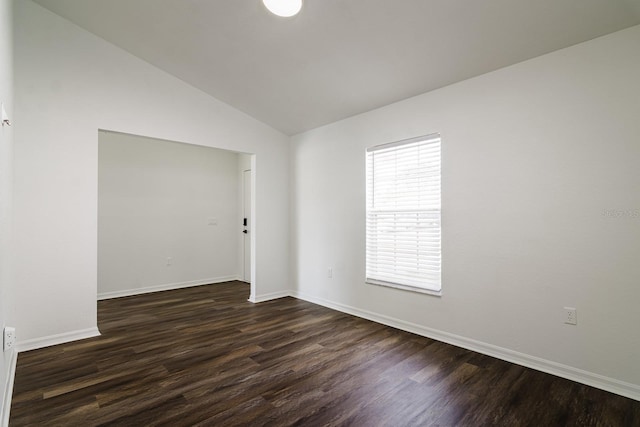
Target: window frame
pixel 428 140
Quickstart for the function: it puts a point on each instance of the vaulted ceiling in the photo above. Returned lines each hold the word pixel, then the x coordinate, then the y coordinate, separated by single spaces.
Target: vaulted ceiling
pixel 338 58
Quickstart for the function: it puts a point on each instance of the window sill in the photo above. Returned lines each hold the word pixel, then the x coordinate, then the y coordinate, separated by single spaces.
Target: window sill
pixel 405 287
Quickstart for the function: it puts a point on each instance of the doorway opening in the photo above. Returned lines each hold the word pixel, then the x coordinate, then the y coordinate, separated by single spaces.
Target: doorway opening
pixel 171 215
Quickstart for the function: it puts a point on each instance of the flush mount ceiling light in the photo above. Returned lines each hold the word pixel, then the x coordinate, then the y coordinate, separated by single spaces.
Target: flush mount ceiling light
pixel 284 8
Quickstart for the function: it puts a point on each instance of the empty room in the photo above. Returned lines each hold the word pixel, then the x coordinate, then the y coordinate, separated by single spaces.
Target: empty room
pixel 320 212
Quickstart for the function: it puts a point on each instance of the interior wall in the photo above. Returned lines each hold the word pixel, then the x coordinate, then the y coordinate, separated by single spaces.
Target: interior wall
pixel 6 178
pixel 540 211
pixel 70 83
pixel 167 215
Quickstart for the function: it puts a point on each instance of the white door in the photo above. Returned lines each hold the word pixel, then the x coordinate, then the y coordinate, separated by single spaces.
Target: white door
pixel 246 197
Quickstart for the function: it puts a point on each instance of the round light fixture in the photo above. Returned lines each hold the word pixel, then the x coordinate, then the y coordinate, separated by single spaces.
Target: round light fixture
pixel 284 8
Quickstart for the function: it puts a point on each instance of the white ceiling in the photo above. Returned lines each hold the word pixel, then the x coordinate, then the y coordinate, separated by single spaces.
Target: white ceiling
pixel 338 58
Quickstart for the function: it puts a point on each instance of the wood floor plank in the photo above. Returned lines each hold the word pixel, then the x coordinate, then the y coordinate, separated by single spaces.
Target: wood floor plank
pixel 205 356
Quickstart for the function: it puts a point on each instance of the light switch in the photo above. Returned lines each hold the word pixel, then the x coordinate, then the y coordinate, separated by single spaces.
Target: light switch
pixel 212 221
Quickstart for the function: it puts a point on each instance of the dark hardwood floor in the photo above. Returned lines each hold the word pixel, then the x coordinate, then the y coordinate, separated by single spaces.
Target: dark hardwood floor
pixel 206 356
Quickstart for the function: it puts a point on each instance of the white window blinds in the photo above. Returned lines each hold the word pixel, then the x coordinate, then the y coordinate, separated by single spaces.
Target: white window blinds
pixel 403 214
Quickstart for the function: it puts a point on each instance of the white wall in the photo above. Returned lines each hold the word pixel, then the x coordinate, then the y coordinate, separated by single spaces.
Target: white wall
pixel 69 84
pixel 156 200
pixel 535 159
pixel 7 359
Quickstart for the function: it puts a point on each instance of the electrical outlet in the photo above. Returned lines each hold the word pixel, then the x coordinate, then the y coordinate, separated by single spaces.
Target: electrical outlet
pixel 9 339
pixel 169 260
pixel 330 272
pixel 570 316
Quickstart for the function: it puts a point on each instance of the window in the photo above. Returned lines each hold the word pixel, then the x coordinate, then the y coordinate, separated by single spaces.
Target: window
pixel 403 214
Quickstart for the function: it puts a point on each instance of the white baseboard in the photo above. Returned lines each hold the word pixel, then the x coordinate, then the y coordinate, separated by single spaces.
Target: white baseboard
pixel 269 297
pixel 50 340
pixel 602 382
pixel 165 287
pixel 8 390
